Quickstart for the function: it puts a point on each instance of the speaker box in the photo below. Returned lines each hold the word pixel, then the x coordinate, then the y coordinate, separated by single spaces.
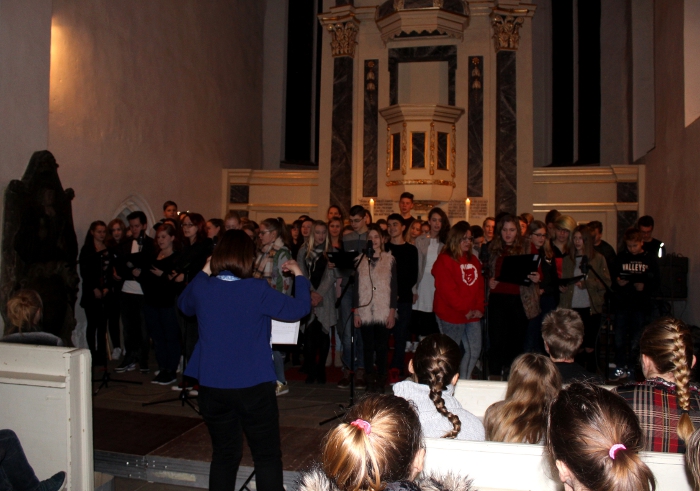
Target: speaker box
pixel 674 276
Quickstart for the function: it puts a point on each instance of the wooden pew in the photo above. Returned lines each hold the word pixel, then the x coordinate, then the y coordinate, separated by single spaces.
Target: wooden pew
pixel 505 466
pixel 46 398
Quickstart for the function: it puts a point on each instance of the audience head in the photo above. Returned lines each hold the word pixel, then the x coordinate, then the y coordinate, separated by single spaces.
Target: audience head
pixel 194 228
pixel 582 242
pixel 633 241
pixel 170 209
pixel 523 225
pixel 116 230
pixel 357 218
pixel 368 217
pixel 24 312
pixel 528 217
pixel 379 442
pixel 334 212
pixel 425 227
pixel 562 331
pixel 692 457
pixel 537 233
pixel 666 347
pixel 594 438
pixel 533 384
pixel 273 228
pixel 439 224
pixel 645 225
pixel 215 228
pixel 235 253
pixel 251 229
pixel 489 226
pixel 295 232
pixel 96 233
pixel 406 204
pixel 477 236
pixel 436 364
pixel 232 220
pixel 459 241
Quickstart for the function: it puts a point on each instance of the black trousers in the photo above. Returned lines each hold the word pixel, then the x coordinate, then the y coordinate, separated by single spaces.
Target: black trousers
pixel 228 414
pixel 316 351
pixel 136 339
pixel 375 339
pixel 507 330
pixel 96 333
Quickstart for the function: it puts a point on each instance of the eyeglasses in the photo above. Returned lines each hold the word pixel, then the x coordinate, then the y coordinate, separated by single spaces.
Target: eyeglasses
pixel 357 220
pixel 539 235
pixel 263 232
pixel 467 239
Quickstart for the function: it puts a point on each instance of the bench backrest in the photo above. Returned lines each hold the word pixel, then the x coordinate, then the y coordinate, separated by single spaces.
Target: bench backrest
pixel 46 398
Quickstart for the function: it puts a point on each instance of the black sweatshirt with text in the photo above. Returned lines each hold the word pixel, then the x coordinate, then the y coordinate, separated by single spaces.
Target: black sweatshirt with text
pixel 636 268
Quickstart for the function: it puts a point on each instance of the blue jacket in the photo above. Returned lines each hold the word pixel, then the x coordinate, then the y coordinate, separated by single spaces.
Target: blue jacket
pixel 233 351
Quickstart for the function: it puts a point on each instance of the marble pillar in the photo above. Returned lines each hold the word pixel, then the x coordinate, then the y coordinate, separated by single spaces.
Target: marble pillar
pixel 506 133
pixel 371 129
pixel 475 168
pixel 625 220
pixel 627 192
pixel 341 128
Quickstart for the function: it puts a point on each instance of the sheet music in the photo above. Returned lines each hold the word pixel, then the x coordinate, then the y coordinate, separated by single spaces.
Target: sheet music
pixel 284 332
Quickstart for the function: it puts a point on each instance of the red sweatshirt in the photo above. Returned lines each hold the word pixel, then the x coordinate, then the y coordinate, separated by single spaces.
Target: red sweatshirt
pixel 459 288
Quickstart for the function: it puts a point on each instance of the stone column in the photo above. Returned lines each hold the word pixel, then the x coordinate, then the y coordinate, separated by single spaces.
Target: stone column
pixel 343 40
pixel 506 39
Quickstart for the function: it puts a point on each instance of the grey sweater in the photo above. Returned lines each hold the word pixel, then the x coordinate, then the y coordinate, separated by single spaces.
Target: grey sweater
pixel 434 424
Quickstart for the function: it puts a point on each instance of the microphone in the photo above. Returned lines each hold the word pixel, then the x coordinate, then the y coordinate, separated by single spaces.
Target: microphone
pixel 584 265
pixel 369 252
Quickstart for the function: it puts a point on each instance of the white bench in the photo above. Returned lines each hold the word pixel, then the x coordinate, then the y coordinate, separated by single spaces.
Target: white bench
pixel 506 466
pixel 46 398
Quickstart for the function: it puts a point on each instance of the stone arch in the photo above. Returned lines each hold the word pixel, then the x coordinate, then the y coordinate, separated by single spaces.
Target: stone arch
pixel 132 203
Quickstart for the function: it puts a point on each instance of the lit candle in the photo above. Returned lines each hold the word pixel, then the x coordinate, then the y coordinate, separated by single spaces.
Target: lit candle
pixel 468 203
pixel 371 208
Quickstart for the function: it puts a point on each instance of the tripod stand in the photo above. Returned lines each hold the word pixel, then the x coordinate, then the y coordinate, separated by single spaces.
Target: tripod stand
pixel 607 326
pixel 184 397
pixel 106 377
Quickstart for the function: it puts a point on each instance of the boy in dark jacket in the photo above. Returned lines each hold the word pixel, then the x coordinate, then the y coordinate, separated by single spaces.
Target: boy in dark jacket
pixel 636 277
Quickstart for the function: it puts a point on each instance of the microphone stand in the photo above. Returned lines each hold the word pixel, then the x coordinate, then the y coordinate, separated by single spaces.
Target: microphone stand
pixel 608 320
pixel 351 372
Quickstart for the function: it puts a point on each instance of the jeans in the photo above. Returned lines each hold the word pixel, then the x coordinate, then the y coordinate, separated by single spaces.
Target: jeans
pixel 15 472
pixel 346 330
pixel 136 341
pixel 468 336
pixel 278 359
pixel 228 414
pixel 400 332
pixel 165 332
pixel 628 323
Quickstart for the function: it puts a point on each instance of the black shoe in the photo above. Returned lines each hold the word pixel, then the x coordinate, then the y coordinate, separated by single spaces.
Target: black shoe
pixel 55 483
pixel 310 379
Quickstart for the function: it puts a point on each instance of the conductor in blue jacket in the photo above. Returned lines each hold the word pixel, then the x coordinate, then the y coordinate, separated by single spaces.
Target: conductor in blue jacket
pixel 233 359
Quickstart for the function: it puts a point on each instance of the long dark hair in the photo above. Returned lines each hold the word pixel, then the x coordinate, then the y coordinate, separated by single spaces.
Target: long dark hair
pixel 442 236
pixel 435 364
pixel 201 224
pixel 89 243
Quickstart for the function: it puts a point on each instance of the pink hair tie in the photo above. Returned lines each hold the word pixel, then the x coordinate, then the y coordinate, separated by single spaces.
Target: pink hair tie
pixel 615 448
pixel 363 425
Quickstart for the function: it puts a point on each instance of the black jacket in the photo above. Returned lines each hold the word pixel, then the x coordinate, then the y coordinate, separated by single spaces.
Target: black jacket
pixel 638 268
pixel 126 262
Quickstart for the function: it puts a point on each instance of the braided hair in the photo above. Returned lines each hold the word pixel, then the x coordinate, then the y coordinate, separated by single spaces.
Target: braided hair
pixel 435 364
pixel 669 344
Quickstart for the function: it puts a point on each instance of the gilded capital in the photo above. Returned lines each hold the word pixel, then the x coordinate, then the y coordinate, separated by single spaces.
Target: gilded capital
pixel 343 38
pixel 505 31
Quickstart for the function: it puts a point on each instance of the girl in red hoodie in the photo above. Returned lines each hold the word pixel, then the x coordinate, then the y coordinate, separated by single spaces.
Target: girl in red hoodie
pixel 459 294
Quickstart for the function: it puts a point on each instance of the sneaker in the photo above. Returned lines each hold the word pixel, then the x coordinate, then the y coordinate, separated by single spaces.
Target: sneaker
pixel 394 376
pixel 143 369
pixel 165 377
pixel 619 374
pixel 55 483
pixel 344 383
pixel 282 388
pixel 126 366
pixel 116 353
pixel 360 379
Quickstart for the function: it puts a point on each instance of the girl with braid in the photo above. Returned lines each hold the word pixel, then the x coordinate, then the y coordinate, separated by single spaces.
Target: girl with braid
pixel 667 405
pixel 522 417
pixel 434 372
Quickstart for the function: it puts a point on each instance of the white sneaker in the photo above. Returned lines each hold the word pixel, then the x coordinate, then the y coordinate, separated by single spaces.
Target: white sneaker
pixel 116 353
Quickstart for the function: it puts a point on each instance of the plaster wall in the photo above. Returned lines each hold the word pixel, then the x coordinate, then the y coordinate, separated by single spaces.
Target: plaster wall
pixel 25 42
pixel 673 166
pixel 153 99
pixel 274 83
